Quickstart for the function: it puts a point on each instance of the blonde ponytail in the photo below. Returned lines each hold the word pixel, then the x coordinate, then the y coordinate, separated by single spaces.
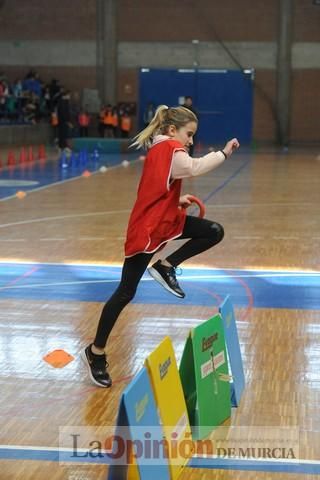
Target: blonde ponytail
pixel 163 118
pixel 144 138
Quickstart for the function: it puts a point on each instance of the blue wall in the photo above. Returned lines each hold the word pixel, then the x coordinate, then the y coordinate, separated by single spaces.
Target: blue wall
pixel 222 98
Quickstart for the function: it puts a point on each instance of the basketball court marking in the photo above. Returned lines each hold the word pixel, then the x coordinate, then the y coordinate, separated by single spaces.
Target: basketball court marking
pixel 227 180
pixel 49 172
pixel 56 454
pixel 63 217
pixel 92 283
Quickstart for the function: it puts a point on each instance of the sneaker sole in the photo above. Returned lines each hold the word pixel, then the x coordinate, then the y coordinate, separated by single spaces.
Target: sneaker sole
pixel 156 275
pixel 85 360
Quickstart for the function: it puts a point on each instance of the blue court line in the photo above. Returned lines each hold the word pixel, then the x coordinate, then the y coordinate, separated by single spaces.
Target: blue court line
pixel 303 467
pixel 205 287
pixel 228 180
pixel 70 456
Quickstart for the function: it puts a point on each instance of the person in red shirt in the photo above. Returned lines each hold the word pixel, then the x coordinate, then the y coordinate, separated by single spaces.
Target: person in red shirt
pixel 108 121
pixel 83 122
pixel 125 125
pixel 54 124
pixel 158 216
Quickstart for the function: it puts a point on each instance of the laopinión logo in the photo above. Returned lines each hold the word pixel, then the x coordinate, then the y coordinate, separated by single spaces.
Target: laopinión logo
pixel 275 453
pixel 149 445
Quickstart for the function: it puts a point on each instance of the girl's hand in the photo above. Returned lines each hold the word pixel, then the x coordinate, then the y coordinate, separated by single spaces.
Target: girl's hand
pixel 184 201
pixel 231 146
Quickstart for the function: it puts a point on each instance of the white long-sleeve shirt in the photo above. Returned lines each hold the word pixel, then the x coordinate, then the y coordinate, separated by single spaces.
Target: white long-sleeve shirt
pixel 184 166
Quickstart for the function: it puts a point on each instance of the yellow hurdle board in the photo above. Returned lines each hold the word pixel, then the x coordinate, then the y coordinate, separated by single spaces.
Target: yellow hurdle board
pixel 165 380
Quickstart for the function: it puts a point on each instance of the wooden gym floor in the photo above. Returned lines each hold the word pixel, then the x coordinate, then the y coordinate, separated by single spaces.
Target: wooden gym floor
pixel 61 248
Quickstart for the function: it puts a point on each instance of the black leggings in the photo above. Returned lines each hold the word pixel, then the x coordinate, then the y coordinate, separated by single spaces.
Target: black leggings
pixel 203 234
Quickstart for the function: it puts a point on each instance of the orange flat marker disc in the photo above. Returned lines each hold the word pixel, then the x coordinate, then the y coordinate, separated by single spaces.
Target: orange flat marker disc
pixel 21 194
pixel 58 358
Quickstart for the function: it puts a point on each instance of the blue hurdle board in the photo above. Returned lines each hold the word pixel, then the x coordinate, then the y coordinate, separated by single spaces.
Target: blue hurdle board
pixel 234 352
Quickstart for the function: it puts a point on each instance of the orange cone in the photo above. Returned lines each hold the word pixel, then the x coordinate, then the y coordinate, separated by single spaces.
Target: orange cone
pixel 86 173
pixel 21 194
pixel 58 358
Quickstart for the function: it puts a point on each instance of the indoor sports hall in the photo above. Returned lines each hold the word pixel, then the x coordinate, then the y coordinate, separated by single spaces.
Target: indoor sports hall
pixel 243 402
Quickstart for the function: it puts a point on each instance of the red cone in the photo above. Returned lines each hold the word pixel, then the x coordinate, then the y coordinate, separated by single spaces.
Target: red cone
pixel 11 158
pixel 23 155
pixel 42 153
pixel 30 155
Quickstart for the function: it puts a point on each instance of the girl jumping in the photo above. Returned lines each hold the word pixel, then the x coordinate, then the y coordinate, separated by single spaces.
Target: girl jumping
pixel 158 216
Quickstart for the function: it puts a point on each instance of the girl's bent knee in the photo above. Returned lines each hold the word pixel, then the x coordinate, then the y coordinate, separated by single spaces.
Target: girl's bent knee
pixel 217 232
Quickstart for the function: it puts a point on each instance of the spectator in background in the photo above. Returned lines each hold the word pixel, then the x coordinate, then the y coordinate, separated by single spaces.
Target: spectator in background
pixel 29 100
pixel 75 106
pixel 188 103
pixel 125 125
pixel 31 109
pixel 108 121
pixel 55 93
pixel 148 114
pixel 64 119
pixel 46 97
pixel 18 93
pixel 54 124
pixel 32 83
pixel 83 122
pixel 11 106
pixel 115 121
pixel 17 88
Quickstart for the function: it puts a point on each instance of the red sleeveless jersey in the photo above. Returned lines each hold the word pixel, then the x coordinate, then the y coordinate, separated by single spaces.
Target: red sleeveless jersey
pixel 156 217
